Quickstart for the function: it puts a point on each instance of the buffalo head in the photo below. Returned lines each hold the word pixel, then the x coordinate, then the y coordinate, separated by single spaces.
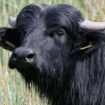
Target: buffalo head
pixel 45 42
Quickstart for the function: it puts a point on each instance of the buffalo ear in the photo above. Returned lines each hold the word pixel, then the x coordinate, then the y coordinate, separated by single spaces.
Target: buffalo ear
pixel 8 38
pixel 91 40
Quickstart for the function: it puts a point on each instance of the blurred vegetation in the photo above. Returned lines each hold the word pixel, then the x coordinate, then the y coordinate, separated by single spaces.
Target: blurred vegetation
pixel 12 87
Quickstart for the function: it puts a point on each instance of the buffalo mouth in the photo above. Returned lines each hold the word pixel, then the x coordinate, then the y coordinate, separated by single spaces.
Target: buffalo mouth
pixel 28 71
pixel 13 63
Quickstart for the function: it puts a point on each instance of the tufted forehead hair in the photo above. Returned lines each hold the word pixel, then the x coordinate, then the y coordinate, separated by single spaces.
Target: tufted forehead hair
pixel 28 16
pixel 48 15
pixel 64 15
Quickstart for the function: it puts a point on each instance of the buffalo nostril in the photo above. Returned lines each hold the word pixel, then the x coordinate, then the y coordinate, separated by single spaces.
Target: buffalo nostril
pixel 30 56
pixel 24 54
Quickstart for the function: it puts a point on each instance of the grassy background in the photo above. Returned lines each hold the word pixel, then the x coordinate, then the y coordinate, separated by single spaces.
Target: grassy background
pixel 12 87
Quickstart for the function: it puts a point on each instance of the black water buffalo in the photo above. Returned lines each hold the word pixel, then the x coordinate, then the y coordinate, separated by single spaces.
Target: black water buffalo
pixel 57 49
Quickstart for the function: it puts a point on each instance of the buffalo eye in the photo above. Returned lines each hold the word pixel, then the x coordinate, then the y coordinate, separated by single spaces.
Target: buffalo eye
pixel 56 31
pixel 58 34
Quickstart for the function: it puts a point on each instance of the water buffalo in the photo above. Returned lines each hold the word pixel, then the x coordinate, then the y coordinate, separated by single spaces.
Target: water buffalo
pixel 55 48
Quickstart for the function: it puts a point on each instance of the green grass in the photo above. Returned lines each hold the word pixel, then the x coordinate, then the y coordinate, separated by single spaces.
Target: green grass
pixel 12 87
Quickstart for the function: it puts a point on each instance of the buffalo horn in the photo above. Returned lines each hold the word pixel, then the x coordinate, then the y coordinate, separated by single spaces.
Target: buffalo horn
pixel 12 21
pixel 90 25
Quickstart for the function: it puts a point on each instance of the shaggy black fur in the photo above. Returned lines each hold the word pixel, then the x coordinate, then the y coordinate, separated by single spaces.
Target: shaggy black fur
pixel 66 75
